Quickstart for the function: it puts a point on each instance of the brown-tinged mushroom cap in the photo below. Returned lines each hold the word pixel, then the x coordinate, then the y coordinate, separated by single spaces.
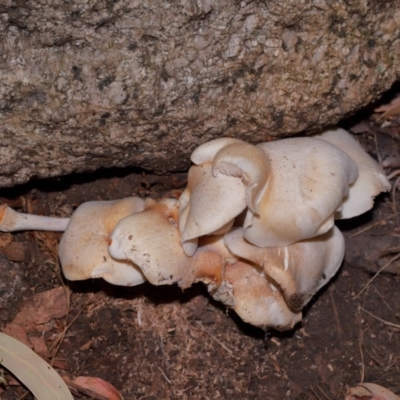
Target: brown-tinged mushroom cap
pixel 370 391
pixel 298 270
pixel 309 179
pixel 254 299
pixel 151 240
pixel 208 204
pixel 12 221
pixel 371 178
pixel 83 247
pixel 211 257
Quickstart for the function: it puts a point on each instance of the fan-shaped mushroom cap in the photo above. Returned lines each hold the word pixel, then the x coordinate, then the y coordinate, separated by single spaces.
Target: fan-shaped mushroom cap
pixel 206 152
pixel 83 247
pixel 208 204
pixel 247 162
pixel 309 179
pixel 151 240
pixel 299 270
pixel 254 299
pixel 371 178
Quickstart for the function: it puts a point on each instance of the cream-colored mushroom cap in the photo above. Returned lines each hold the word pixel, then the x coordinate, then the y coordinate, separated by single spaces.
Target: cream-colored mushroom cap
pixel 208 204
pixel 254 299
pixel 371 178
pixel 206 152
pixel 83 247
pixel 308 181
pixel 298 270
pixel 249 163
pixel 151 240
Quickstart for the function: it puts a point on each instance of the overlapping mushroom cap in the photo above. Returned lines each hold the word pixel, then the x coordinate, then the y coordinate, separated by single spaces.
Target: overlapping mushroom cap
pixel 307 185
pixel 151 240
pixel 208 204
pixel 371 178
pixel 83 250
pixel 293 187
pixel 298 270
pixel 254 298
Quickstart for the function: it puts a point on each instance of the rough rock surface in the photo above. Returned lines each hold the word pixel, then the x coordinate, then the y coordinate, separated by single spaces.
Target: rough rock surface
pixel 100 83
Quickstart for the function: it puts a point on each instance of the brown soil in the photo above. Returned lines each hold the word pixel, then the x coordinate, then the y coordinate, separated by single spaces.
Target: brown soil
pixel 162 343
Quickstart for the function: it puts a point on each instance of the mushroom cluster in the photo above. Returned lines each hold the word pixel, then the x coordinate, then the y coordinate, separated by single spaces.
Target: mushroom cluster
pixel 255 224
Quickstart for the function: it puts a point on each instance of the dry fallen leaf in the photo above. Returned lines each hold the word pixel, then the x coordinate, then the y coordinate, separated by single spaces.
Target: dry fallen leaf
pixel 5 239
pixel 39 346
pixel 17 332
pixel 370 391
pixel 388 110
pixel 35 373
pixel 43 307
pixel 97 388
pixel 15 251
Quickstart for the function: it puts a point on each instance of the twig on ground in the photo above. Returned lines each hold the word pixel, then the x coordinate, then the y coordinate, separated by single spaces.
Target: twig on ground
pixel 57 343
pixel 380 222
pixel 370 356
pixel 380 319
pixel 335 312
pixel 360 346
pixel 213 337
pixel 321 390
pixel 163 351
pixel 382 298
pixel 315 394
pixel 165 376
pixel 397 256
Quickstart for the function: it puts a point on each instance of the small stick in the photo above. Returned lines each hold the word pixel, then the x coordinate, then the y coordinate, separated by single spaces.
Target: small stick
pixel 320 389
pixel 164 375
pixel 371 226
pixel 213 337
pixel 382 298
pixel 360 346
pixel 378 272
pixel 335 312
pixel 380 319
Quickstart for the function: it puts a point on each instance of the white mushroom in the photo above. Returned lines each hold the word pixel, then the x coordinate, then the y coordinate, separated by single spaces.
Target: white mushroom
pixel 371 178
pixel 83 248
pixel 298 270
pixel 293 187
pixel 12 221
pixel 206 152
pixel 208 205
pixel 249 163
pixel 308 181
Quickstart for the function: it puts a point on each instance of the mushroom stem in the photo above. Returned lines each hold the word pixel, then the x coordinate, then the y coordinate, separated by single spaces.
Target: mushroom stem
pixel 11 221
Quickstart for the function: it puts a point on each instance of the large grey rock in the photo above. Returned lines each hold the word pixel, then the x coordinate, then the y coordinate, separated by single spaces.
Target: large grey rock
pixel 100 83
